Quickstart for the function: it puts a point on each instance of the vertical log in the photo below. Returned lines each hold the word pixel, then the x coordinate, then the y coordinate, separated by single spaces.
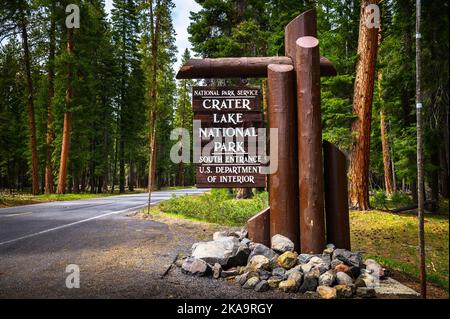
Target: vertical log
pixel 283 186
pixel 312 223
pixel 336 196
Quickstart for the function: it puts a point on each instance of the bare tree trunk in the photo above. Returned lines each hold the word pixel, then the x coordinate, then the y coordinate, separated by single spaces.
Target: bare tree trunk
pixel 362 108
pixel 50 136
pixel 30 103
pixel 386 155
pixel 67 120
pixel 154 35
pixel 420 165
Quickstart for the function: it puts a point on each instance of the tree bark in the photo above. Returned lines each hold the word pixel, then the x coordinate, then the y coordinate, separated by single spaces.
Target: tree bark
pixel 154 36
pixel 362 108
pixel 387 164
pixel 420 164
pixel 30 104
pixel 50 136
pixel 67 119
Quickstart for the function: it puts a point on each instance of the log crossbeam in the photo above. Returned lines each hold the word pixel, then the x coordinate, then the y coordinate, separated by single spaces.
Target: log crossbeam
pixel 243 67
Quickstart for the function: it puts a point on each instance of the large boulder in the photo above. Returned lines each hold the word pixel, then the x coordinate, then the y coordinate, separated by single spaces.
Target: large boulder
pixel 348 257
pixel 226 251
pixel 196 267
pixel 282 244
pixel 262 286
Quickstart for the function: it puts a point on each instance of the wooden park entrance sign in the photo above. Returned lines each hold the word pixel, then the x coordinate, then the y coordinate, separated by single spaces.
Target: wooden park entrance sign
pixel 308 193
pixel 229 121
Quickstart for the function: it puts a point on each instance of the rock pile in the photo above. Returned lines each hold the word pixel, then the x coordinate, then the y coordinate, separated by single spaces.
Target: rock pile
pixel 336 273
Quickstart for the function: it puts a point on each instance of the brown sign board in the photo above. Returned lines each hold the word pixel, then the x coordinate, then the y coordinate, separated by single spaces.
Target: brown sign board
pixel 228 137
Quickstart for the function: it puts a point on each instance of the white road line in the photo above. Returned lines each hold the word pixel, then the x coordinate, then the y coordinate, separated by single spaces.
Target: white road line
pixel 16 214
pixel 68 225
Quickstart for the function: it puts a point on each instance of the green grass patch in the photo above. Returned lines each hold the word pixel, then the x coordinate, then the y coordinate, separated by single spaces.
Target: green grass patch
pixel 9 200
pixel 392 239
pixel 217 206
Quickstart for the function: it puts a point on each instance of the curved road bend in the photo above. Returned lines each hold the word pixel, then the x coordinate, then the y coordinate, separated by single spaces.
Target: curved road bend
pixel 34 221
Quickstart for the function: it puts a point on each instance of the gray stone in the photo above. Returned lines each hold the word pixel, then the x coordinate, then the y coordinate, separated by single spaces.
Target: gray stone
pixel 343 279
pixel 217 251
pixel 348 257
pixel 327 278
pixel 355 271
pixel 309 284
pixel 305 258
pixel 264 274
pixel 230 272
pixel 282 244
pixel 329 249
pixel 195 267
pixel 260 249
pixel 251 283
pixel 217 270
pixel 374 268
pixel 366 279
pixel 239 257
pixel 316 263
pixel 364 292
pixel 389 287
pixel 296 268
pixel 343 291
pixel 262 286
pixel 279 271
pixel 246 242
pixel 297 276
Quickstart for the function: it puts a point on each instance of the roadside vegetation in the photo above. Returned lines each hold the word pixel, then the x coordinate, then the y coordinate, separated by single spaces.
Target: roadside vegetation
pixel 18 199
pixel 389 238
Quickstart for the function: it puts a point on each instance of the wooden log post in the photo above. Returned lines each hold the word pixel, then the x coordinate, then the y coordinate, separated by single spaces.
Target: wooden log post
pixel 336 196
pixel 283 184
pixel 312 219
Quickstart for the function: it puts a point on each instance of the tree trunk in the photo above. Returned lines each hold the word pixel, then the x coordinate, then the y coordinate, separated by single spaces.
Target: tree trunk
pixel 362 108
pixel 244 193
pixel 50 136
pixel 67 119
pixel 386 155
pixel 154 36
pixel 30 103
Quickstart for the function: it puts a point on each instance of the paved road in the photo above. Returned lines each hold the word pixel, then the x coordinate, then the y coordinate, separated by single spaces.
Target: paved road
pixel 22 222
pixel 38 241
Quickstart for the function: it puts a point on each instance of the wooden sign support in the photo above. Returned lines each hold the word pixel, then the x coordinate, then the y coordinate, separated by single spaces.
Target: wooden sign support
pixel 302 188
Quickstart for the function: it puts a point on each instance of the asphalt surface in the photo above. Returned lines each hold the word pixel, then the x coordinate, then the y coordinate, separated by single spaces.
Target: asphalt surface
pixel 38 241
